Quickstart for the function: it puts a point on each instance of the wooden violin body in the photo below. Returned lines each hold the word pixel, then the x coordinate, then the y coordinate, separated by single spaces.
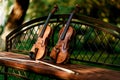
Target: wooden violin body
pixel 39 48
pixel 60 52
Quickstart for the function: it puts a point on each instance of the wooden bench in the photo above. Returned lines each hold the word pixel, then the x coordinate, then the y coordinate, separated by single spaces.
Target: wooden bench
pixel 95 42
pixel 66 71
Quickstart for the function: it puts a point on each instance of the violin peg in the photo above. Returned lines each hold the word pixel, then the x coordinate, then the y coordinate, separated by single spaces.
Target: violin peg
pixel 77 5
pixel 77 8
pixel 55 8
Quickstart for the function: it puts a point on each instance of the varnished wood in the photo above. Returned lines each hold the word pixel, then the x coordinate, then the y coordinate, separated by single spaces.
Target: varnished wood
pixel 81 72
pixel 60 51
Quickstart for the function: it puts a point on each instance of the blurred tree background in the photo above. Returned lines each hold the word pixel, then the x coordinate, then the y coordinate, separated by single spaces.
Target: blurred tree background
pixel 106 10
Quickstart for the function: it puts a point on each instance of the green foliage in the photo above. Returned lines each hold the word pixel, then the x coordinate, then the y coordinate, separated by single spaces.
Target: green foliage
pixel 106 10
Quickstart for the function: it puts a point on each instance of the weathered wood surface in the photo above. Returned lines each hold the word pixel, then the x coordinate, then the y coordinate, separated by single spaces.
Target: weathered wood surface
pixel 81 72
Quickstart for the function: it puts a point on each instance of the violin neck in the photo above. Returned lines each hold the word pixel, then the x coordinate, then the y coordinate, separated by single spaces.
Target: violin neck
pixel 68 22
pixel 66 26
pixel 45 25
pixel 48 18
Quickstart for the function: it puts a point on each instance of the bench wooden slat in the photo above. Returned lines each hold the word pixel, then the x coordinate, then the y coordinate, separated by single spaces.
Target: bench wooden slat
pixel 81 72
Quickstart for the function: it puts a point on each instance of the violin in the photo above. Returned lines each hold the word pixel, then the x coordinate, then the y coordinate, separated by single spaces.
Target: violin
pixel 60 52
pixel 39 49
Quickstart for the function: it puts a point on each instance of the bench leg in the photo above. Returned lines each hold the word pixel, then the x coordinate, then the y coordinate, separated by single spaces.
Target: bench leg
pixel 5 71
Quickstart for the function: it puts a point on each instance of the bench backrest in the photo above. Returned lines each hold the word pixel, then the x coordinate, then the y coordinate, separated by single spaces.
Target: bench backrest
pixel 95 41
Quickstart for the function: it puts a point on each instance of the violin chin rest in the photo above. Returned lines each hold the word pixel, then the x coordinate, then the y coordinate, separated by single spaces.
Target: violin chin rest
pixel 32 55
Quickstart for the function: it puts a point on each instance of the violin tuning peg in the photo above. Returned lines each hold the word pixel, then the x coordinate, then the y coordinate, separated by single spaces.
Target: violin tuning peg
pixel 77 6
pixel 56 6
